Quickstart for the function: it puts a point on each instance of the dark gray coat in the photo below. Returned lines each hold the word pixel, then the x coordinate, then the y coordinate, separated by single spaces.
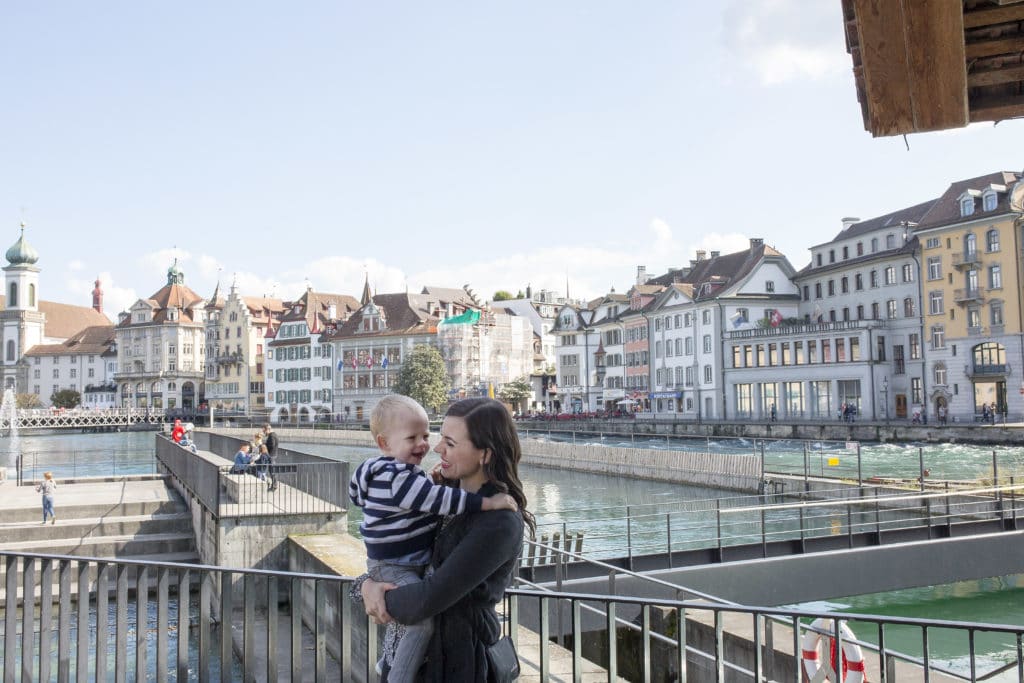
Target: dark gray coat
pixel 474 557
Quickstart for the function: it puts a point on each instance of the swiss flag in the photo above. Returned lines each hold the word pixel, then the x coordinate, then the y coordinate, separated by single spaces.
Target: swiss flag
pixel 775 318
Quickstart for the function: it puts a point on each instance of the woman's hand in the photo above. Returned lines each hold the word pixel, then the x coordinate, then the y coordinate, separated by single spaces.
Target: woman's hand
pixel 373 599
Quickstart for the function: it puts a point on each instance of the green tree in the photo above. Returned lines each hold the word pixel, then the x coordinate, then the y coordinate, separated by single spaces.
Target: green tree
pixel 502 295
pixel 66 398
pixel 515 392
pixel 28 401
pixel 423 378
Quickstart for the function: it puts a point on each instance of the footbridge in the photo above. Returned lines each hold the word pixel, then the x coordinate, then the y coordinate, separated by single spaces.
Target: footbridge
pixel 79 418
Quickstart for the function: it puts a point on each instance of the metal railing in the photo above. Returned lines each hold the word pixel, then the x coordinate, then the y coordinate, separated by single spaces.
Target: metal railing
pixel 750 524
pixel 31 465
pixel 124 619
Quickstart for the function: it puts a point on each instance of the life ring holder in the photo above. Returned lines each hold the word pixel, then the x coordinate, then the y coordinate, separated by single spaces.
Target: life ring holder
pixel 853 657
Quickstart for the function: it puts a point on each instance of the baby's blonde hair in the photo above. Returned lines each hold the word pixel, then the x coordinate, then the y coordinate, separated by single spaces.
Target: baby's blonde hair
pixel 48 475
pixel 388 408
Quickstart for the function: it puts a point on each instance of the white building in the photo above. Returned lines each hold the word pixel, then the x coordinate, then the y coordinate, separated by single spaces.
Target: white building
pixel 79 364
pixel 300 364
pixel 161 350
pixel 483 350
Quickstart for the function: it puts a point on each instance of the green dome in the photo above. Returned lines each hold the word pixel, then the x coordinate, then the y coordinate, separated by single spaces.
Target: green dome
pixel 22 253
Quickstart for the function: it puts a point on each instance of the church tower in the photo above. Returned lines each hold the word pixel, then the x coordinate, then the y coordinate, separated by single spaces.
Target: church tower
pixel 22 321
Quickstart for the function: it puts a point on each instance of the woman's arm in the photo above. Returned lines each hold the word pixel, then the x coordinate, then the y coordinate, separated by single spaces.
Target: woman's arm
pixel 493 539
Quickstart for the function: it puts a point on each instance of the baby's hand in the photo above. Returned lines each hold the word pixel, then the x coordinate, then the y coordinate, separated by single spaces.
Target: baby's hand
pixel 435 474
pixel 500 501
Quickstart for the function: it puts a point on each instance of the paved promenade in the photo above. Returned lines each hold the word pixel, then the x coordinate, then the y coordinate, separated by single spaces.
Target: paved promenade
pixel 95 497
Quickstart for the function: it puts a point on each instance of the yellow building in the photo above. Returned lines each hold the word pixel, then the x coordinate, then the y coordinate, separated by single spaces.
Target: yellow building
pixel 971 282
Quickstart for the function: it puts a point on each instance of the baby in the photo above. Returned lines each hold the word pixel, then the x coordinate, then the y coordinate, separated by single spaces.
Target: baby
pixel 401 508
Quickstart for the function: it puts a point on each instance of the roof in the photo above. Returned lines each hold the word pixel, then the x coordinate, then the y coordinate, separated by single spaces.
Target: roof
pixel 925 66
pixel 911 214
pixel 946 208
pixel 314 308
pixel 171 295
pixel 96 339
pixel 64 320
pixel 402 313
pixel 706 278
pixel 450 295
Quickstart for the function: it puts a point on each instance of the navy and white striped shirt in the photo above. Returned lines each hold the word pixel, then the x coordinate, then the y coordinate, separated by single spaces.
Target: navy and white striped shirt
pixel 401 506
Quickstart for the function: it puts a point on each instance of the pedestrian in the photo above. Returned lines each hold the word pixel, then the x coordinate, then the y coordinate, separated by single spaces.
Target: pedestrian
pixel 992 413
pixel 46 487
pixel 270 443
pixel 942 414
pixel 242 460
pixel 774 413
pixel 984 413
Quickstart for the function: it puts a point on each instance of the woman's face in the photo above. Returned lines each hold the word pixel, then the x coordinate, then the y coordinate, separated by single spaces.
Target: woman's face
pixel 460 459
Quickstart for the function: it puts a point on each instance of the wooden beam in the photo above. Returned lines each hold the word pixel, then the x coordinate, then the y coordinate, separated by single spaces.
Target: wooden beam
pixel 997 108
pixel 1009 74
pixel 938 73
pixel 883 52
pixel 993 15
pixel 996 46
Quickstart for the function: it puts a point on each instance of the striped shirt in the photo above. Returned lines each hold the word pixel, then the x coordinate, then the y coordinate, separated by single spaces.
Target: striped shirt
pixel 401 507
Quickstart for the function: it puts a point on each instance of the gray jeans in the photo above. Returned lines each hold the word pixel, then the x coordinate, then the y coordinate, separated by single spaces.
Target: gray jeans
pixel 412 648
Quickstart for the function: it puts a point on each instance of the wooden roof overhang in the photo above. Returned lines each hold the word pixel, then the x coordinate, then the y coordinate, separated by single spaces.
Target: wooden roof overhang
pixel 925 65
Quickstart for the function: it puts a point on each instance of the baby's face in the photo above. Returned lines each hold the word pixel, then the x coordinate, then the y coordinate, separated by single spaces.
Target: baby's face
pixel 407 437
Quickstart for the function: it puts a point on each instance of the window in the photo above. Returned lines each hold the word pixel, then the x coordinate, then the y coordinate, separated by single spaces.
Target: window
pixel 846 253
pixel 31 295
pixel 74 373
pixel 56 373
pixel 908 273
pixel 831 287
pixel 874 278
pixel 706 317
pixel 844 285
pixel 890 275
pixel 35 374
pixel 898 362
pixel 939 374
pixel 840 350
pixel 831 255
pixel 890 308
pixel 970 245
pixel 875 311
pixel 688 346
pixel 707 343
pixel 769 286
pixel 10 349
pixel 858 282
pixel 854 349
pixel 932 243
pixel 938 336
pixel 890 241
pixel 874 244
pixel 908 307
pixel 846 314
pixel 915 390
pixel 860 248
pixel 967 206
pixel 915 346
pixel 807 293
pixel 973 318
pixel 935 306
pixel 707 374
pixel 860 311
pixel 934 267
pixel 995 277
pixel 812 352
pixel 817 290
pixel 992 241
pixel 988 201
pixel 818 259
pixel 996 313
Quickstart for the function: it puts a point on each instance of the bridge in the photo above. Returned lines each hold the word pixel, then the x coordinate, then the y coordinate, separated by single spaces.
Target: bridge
pixel 77 418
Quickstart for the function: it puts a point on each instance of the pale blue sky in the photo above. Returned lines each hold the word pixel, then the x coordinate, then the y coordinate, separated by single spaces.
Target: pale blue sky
pixel 443 143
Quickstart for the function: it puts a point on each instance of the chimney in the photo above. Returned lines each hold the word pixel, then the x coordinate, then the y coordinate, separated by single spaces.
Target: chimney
pixel 97 297
pixel 715 254
pixel 756 243
pixel 641 275
pixel 848 221
pixel 701 255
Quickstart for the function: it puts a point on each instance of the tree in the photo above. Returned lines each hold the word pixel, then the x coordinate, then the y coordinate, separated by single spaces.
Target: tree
pixel 28 401
pixel 502 295
pixel 515 392
pixel 66 398
pixel 423 378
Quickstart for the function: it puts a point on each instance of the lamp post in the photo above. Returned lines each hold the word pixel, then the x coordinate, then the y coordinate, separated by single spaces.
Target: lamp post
pixel 908 233
pixel 885 398
pixel 586 317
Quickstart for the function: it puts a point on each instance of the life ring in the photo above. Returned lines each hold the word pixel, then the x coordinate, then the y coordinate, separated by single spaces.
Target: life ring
pixel 853 657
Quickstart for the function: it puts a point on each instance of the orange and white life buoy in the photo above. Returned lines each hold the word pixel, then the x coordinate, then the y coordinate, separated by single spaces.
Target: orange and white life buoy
pixel 852 660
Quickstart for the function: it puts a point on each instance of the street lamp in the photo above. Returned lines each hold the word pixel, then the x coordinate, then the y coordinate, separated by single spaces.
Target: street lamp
pixel 586 317
pixel 885 397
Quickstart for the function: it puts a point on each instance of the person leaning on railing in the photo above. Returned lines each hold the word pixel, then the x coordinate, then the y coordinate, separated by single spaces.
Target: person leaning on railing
pixel 242 460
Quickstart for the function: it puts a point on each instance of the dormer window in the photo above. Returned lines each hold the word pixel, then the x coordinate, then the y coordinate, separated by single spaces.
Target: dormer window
pixel 769 286
pixel 966 206
pixel 989 200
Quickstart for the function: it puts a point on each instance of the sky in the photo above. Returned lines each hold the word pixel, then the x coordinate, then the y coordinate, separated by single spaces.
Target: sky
pixel 496 145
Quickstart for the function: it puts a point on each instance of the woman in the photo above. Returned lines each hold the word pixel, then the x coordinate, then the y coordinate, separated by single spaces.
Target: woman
pixel 475 554
pixel 46 487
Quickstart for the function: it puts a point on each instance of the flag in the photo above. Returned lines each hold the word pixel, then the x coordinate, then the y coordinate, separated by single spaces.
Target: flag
pixel 775 318
pixel 369 360
pixel 353 361
pixel 738 318
pixel 340 364
pixel 384 362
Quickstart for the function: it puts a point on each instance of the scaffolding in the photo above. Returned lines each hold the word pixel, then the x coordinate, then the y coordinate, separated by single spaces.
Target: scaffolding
pixel 483 350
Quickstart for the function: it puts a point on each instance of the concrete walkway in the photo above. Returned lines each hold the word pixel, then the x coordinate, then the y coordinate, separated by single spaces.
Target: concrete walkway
pixel 96 498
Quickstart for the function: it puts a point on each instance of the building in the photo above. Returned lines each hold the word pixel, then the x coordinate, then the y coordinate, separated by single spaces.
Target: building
pixel 80 363
pixel 29 323
pixel 236 328
pixel 970 242
pixel 636 347
pixel 485 349
pixel 161 350
pixel 371 346
pixel 540 309
pixel 300 362
pixel 609 358
pixel 689 320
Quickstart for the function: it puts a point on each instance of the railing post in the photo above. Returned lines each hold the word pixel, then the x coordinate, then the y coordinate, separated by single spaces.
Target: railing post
pixel 807 483
pixel 920 466
pixel 629 536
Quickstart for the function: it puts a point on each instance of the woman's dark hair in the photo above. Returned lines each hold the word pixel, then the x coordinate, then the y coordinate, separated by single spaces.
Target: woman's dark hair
pixel 490 427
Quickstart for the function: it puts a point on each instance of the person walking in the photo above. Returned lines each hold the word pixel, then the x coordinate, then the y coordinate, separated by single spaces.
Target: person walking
pixel 47 487
pixel 270 443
